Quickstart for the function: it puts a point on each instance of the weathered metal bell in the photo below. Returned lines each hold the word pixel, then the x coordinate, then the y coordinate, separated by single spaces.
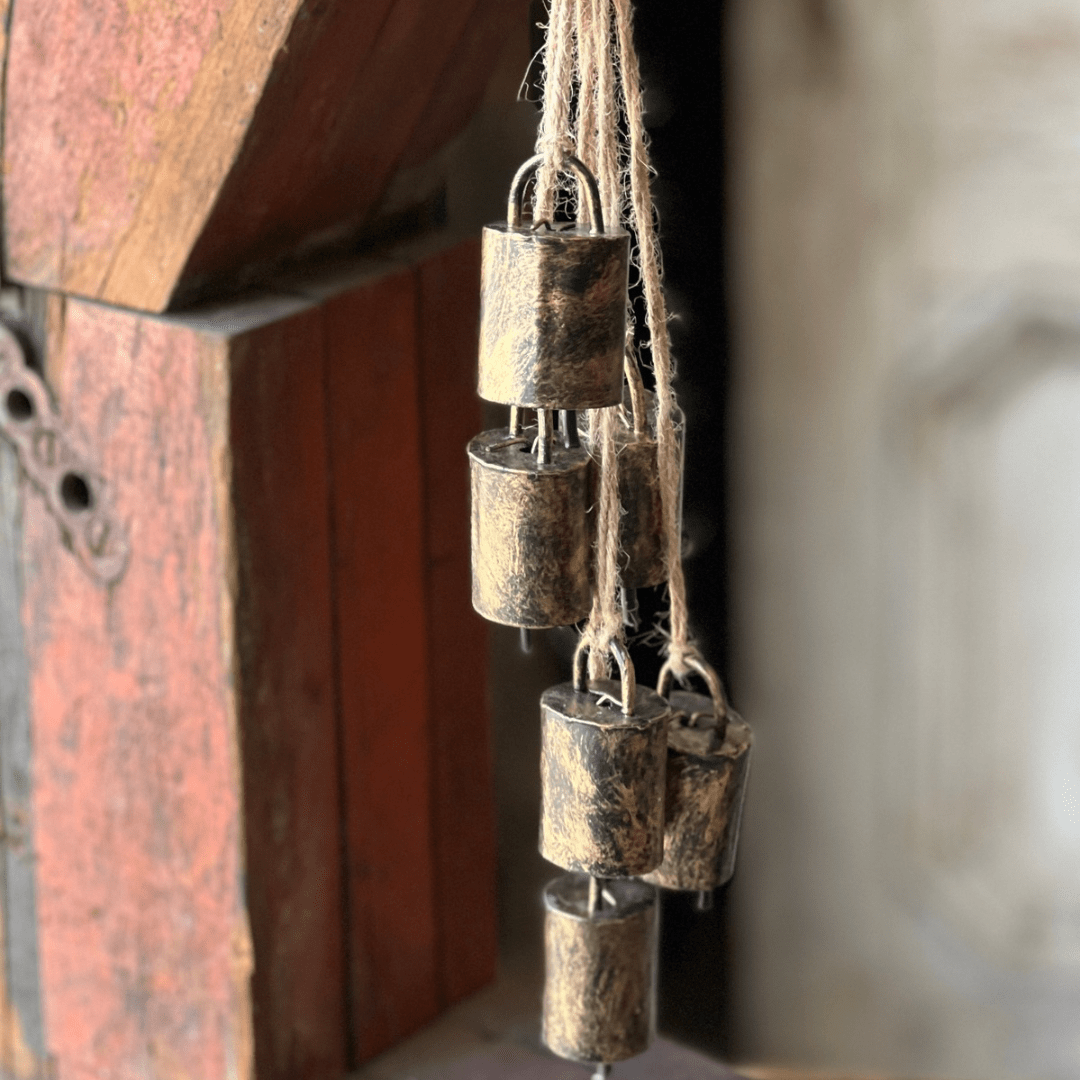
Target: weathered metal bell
pixel 553 306
pixel 602 764
pixel 708 763
pixel 600 942
pixel 642 538
pixel 531 526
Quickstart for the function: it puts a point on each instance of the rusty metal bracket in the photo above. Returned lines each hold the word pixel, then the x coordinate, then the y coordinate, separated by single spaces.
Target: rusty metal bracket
pixel 52 458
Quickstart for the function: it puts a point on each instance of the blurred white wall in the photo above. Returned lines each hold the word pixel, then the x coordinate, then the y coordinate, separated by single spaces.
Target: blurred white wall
pixel 906 519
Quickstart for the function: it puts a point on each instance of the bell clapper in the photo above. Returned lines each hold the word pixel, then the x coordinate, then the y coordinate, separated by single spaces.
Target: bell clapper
pixel 602 1072
pixel 526 640
pixel 544 439
pixel 568 424
pixel 704 900
pixel 596 895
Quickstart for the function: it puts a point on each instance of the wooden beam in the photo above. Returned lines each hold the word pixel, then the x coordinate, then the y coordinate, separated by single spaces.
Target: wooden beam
pixel 261 778
pixel 150 152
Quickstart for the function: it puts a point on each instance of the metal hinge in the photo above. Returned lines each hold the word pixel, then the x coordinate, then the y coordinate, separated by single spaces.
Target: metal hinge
pixel 53 459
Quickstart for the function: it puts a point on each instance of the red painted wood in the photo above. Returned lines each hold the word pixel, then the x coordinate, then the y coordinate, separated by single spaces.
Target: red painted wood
pixel 192 142
pixel 335 124
pixel 467 70
pixel 287 702
pixel 145 951
pixel 382 623
pixel 463 808
pixel 276 718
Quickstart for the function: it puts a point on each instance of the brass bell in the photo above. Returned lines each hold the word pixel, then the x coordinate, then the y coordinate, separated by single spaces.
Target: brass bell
pixel 553 306
pixel 531 524
pixel 600 941
pixel 642 538
pixel 708 762
pixel 602 761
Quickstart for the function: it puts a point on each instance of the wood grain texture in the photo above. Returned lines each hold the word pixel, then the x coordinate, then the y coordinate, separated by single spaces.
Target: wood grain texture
pixel 287 710
pixel 277 716
pixel 463 812
pixel 187 145
pixel 379 590
pixel 145 949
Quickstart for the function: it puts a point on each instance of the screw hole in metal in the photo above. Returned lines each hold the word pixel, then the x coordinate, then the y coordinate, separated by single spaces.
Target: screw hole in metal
pixel 19 405
pixel 75 493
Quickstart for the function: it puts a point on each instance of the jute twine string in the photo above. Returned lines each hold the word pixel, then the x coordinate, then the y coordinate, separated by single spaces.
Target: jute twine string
pixel 579 55
pixel 555 139
pixel 679 646
pixel 597 137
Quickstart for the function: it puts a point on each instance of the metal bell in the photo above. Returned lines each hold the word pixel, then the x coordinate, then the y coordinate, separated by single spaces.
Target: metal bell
pixel 600 941
pixel 531 524
pixel 642 538
pixel 553 306
pixel 708 762
pixel 602 764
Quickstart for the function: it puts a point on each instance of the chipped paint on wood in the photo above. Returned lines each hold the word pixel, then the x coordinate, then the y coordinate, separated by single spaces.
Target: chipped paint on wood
pixel 192 141
pixel 22 1036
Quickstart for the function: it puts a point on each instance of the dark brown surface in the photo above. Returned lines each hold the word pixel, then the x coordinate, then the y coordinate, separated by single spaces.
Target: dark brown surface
pixel 463 809
pixel 288 724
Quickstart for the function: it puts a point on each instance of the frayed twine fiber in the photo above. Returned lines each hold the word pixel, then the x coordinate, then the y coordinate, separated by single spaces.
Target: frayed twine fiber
pixel 589 55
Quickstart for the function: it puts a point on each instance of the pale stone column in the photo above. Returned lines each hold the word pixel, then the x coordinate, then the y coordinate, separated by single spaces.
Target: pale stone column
pixel 906 519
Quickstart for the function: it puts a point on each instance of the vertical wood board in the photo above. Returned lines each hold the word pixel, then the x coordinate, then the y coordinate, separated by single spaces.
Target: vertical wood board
pixel 463 808
pixel 381 631
pixel 287 703
pixel 145 950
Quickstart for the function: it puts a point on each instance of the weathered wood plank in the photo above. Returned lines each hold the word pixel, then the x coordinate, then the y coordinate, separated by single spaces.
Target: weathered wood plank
pixel 187 145
pixel 22 1033
pixel 463 808
pixel 379 587
pixel 145 949
pixel 288 722
pixel 276 716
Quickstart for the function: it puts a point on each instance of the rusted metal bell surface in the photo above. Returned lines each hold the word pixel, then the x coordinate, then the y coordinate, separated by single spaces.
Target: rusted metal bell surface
pixel 531 531
pixel 603 754
pixel 600 969
pixel 642 539
pixel 553 308
pixel 708 764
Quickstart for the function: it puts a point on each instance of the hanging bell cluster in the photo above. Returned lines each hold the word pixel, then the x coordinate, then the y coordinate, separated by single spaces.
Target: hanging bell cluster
pixel 639 787
pixel 552 327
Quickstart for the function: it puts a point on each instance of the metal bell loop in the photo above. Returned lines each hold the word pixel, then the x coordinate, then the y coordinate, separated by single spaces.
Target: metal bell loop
pixel 627 679
pixel 712 681
pixel 516 203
